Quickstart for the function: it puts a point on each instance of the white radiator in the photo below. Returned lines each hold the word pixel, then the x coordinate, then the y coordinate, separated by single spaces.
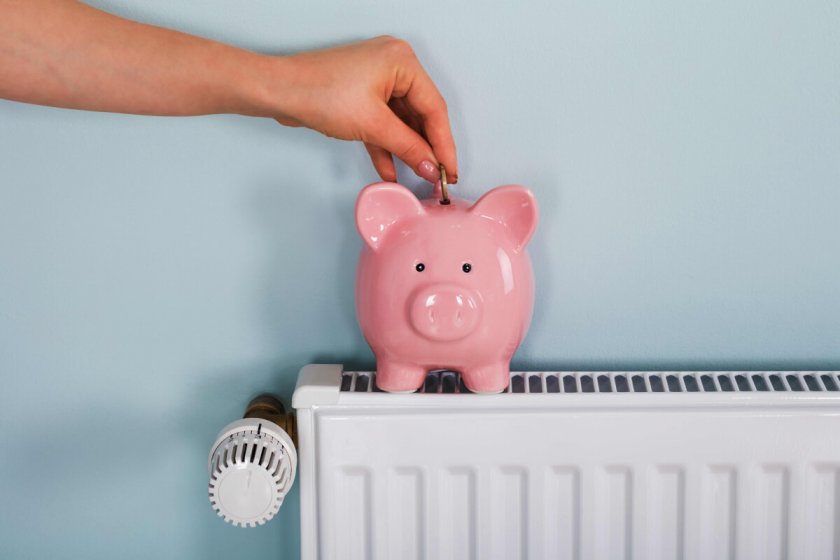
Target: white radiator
pixel 583 465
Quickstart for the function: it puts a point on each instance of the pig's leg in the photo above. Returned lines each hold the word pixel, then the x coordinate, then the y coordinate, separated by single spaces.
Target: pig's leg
pixel 399 378
pixel 492 378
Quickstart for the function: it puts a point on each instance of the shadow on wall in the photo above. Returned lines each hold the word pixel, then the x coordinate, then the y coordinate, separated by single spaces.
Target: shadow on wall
pixel 306 299
pixel 543 252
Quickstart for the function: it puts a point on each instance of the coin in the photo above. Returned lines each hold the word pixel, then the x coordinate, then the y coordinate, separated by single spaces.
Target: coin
pixel 444 187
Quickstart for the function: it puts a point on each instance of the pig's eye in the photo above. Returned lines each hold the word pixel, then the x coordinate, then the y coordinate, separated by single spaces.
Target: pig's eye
pixel 467 267
pixel 420 267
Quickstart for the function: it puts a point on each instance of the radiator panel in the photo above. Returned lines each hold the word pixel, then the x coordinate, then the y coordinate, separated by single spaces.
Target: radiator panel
pixel 601 476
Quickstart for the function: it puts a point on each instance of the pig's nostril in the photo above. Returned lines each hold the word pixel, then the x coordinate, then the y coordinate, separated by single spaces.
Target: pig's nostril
pixel 458 318
pixel 431 315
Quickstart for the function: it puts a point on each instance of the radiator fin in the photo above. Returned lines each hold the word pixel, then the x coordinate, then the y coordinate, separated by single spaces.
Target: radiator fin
pixel 561 527
pixel 407 514
pixel 355 500
pixel 826 513
pixel 450 382
pixel 618 505
pixel 509 531
pixel 774 493
pixel 668 503
pixel 458 520
pixel 720 529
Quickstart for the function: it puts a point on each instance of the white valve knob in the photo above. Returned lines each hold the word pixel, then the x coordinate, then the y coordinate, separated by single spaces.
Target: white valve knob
pixel 252 467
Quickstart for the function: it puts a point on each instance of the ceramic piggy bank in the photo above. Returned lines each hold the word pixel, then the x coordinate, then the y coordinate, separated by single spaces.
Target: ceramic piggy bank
pixel 444 286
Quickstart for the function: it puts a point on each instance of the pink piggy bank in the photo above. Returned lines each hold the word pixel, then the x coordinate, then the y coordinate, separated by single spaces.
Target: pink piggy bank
pixel 444 286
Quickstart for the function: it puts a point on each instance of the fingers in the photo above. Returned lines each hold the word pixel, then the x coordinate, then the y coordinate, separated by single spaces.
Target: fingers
pixel 403 110
pixel 382 162
pixel 391 134
pixel 425 99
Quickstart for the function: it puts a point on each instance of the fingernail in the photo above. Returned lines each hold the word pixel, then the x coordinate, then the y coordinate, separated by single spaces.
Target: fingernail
pixel 428 171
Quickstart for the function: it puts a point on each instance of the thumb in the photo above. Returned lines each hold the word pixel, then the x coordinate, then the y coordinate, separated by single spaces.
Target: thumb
pixel 396 137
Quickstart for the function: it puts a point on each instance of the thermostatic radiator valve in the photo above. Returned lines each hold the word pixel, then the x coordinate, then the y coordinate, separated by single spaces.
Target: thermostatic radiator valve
pixel 252 464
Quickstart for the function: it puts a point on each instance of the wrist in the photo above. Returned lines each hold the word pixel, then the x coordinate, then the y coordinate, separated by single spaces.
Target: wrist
pixel 270 90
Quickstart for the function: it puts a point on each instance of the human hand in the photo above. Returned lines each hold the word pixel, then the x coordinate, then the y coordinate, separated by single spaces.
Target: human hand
pixel 375 91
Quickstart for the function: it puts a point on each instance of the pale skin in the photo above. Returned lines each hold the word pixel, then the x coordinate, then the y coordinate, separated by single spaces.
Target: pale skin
pixel 64 53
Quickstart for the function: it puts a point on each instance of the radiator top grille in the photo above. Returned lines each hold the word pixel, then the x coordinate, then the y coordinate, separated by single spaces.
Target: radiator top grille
pixel 450 382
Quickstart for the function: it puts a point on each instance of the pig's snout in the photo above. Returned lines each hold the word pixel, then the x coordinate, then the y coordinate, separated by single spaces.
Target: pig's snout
pixel 444 312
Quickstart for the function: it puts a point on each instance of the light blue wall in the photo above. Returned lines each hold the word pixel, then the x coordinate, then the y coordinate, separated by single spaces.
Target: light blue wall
pixel 157 273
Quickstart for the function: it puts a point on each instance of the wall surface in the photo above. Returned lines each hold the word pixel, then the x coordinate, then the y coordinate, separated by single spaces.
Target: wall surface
pixel 157 273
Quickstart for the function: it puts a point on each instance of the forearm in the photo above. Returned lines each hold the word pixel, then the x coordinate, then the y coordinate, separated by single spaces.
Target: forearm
pixel 67 54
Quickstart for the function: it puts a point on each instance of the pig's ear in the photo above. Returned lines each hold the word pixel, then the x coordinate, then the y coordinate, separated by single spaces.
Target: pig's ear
pixel 513 207
pixel 380 206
